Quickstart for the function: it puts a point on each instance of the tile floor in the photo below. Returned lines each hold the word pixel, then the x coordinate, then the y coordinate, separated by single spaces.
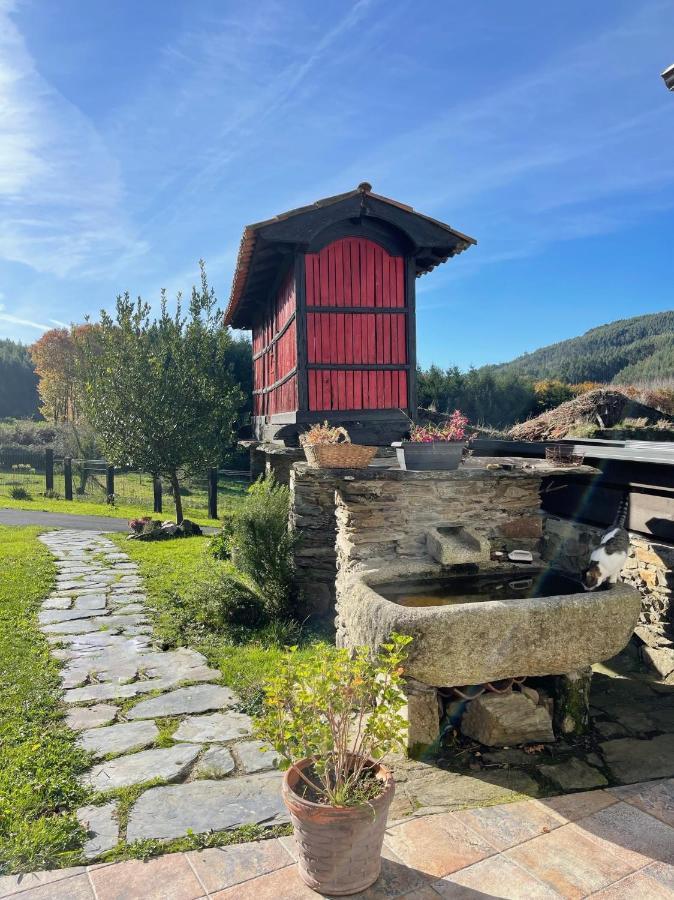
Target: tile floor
pixel 609 844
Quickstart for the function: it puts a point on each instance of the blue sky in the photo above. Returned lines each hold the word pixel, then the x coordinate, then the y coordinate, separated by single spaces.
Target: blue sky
pixel 136 137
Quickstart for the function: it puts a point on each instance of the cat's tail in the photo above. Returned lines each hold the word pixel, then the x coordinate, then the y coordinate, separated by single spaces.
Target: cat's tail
pixel 622 511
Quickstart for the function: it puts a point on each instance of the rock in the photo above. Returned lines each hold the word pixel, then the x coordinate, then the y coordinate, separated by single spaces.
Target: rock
pixel 256 756
pixel 215 763
pixel 190 529
pixel 168 764
pixel 201 806
pixel 522 527
pixel 199 698
pixel 571 695
pixel 57 603
pixel 217 727
pixel 499 720
pixel 661 659
pixel 90 601
pixel 102 828
pixel 103 691
pixel 529 692
pixel 632 759
pixel 422 714
pixel 82 717
pixel 78 626
pixel 609 729
pixel 573 775
pixel 512 756
pixel 122 738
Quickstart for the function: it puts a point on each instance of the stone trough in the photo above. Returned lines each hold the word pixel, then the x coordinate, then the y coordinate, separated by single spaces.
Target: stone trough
pixel 472 643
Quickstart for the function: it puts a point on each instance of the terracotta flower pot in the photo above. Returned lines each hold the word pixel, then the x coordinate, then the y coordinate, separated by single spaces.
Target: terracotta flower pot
pixel 339 847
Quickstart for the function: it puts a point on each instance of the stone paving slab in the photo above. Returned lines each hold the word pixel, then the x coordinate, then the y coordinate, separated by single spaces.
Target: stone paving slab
pixel 172 811
pixel 168 763
pixel 588 844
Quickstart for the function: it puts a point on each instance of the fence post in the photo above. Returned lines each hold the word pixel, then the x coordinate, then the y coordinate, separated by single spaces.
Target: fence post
pixel 110 481
pixel 49 470
pixel 212 493
pixel 68 476
pixel 156 490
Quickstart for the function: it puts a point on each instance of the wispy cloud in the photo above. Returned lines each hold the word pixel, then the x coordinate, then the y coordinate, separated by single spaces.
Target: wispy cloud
pixel 60 187
pixel 17 320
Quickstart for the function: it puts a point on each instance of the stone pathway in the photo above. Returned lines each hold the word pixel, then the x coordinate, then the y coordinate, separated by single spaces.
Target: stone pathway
pixel 187 734
pixel 612 844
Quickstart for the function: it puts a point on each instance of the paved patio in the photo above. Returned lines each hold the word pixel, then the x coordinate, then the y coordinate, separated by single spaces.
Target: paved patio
pixel 611 844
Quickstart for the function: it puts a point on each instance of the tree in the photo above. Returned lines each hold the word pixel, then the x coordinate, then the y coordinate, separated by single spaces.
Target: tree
pixel 161 393
pixel 56 364
pixel 18 382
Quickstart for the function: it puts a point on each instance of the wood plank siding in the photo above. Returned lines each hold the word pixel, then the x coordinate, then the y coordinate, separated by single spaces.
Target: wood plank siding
pixel 357 327
pixel 275 354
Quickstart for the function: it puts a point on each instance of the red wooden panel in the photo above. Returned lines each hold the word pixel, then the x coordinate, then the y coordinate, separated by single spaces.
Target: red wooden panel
pixel 325 291
pixel 387 389
pixel 402 401
pixel 327 390
pixel 348 337
pixel 339 351
pixel 341 390
pixel 371 340
pixel 346 272
pixel 325 338
pixel 357 390
pixel 339 273
pixel 357 338
pixel 385 281
pixel 311 337
pixel 386 338
pixel 355 273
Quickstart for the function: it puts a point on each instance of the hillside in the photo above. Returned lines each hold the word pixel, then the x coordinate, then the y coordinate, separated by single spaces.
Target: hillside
pixel 18 382
pixel 626 351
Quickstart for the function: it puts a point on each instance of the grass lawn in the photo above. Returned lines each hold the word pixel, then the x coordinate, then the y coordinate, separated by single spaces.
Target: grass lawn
pixel 39 763
pixel 86 508
pixel 230 493
pixel 168 567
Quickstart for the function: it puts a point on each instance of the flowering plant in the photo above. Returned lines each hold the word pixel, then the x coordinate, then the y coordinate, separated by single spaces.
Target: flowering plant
pixel 454 429
pixel 341 709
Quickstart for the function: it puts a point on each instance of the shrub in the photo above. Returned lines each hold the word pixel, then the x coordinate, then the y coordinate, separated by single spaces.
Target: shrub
pixel 341 709
pixel 19 493
pixel 51 494
pixel 261 545
pixel 224 601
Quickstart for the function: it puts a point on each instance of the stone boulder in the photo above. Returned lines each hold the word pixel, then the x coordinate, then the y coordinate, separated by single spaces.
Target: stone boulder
pixel 503 720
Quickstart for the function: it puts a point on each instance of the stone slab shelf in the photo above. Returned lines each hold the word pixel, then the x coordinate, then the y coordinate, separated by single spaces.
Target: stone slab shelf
pixel 453 545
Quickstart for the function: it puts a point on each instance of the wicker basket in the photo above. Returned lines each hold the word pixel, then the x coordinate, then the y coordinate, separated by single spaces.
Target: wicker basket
pixel 343 455
pixel 563 455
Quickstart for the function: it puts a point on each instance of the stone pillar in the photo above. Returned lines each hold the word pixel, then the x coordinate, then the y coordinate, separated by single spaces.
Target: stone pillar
pixel 571 694
pixel 422 714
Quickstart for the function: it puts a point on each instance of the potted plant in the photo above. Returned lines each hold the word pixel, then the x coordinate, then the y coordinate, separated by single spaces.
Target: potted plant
pixel 327 447
pixel 333 718
pixel 435 446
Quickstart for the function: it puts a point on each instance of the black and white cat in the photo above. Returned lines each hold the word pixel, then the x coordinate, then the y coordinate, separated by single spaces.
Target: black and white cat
pixel 607 561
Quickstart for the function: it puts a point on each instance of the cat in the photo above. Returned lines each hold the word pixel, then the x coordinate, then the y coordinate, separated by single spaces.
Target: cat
pixel 608 559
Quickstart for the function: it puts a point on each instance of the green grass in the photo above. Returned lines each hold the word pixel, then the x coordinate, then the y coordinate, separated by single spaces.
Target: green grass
pixel 230 493
pixel 39 762
pixel 171 566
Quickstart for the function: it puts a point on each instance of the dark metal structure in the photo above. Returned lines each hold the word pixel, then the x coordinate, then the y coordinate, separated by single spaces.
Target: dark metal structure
pixel 328 291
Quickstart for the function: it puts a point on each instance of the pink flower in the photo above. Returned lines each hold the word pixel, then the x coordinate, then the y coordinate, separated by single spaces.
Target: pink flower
pixel 454 429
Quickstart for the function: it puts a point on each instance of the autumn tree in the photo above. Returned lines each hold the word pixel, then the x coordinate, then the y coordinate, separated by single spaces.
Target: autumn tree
pixel 55 356
pixel 160 392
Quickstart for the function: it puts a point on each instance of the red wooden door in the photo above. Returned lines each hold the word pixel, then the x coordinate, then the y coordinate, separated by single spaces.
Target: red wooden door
pixel 356 327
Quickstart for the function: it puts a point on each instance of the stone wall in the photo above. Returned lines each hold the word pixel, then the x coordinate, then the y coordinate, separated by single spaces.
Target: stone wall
pixel 312 514
pixel 384 516
pixel 568 546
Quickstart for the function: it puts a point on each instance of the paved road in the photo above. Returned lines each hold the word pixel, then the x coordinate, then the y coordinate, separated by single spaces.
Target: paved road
pixel 70 520
pixel 61 520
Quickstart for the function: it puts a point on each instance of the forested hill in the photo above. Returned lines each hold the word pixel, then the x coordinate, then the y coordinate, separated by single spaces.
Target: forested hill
pixel 18 382
pixel 625 351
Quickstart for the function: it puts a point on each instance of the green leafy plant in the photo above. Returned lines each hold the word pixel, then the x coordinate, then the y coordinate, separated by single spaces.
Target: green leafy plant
pixel 20 493
pixel 261 546
pixel 342 710
pixel 224 600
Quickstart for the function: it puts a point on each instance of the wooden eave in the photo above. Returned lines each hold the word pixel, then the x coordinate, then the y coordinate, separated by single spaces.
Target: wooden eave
pixel 269 246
